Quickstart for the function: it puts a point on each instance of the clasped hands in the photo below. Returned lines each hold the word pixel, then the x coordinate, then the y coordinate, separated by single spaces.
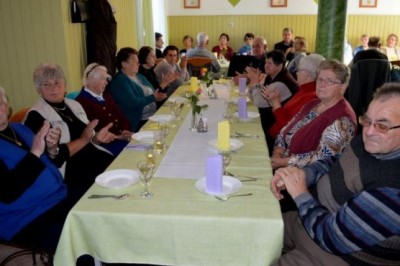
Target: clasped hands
pixel 290 178
pixel 47 138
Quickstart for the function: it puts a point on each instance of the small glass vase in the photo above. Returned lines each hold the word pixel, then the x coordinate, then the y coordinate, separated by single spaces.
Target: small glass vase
pixel 193 121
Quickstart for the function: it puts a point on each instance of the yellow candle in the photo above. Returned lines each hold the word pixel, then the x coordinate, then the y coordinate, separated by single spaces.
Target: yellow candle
pixel 193 84
pixel 223 135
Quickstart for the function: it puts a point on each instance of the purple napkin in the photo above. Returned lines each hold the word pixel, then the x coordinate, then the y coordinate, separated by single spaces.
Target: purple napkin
pixel 242 86
pixel 214 171
pixel 242 107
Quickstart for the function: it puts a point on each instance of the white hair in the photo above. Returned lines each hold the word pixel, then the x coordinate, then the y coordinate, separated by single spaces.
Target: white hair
pixel 92 71
pixel 202 38
pixel 311 63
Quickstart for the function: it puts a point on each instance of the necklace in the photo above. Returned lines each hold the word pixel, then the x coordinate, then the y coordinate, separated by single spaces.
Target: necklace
pixel 14 139
pixel 60 109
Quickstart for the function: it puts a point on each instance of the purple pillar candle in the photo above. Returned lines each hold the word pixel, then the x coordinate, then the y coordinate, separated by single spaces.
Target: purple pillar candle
pixel 242 86
pixel 214 171
pixel 242 108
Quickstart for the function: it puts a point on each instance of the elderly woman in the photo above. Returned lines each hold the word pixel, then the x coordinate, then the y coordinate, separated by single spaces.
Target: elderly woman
pixel 99 104
pixel 85 159
pixel 147 60
pixel 306 76
pixel 132 91
pixel 169 65
pixel 32 192
pixel 323 127
pixel 222 49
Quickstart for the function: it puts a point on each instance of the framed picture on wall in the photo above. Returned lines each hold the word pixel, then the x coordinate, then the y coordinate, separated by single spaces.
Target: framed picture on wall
pixel 279 3
pixel 368 3
pixel 191 3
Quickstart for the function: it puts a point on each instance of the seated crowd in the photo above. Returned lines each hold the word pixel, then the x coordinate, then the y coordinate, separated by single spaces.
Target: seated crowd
pixel 342 188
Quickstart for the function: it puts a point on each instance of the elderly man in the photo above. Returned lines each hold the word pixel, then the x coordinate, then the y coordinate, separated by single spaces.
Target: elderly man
pixel 202 51
pixel 353 218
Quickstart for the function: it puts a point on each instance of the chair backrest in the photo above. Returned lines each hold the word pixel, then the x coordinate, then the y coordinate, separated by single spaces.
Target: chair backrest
pixel 238 63
pixel 195 64
pixel 366 76
pixel 19 116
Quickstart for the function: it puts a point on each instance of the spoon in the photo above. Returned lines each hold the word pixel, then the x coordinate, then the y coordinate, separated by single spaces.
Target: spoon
pixel 246 135
pixel 117 197
pixel 225 197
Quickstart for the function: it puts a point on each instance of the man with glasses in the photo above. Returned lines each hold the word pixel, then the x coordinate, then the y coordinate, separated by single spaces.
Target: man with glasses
pixel 353 215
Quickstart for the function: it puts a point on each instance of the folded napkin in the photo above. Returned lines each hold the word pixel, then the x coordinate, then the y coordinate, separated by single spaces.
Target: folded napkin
pixel 242 86
pixel 242 107
pixel 214 171
pixel 193 84
pixel 223 135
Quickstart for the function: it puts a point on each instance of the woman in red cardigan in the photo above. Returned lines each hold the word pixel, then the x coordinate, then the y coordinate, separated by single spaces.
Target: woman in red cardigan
pixel 306 76
pixel 323 127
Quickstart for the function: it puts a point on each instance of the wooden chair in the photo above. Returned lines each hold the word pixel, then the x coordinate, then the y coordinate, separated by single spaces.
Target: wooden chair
pixel 195 64
pixel 19 116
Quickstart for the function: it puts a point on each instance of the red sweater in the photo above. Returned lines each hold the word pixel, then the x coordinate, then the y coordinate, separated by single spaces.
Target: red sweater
pixel 285 113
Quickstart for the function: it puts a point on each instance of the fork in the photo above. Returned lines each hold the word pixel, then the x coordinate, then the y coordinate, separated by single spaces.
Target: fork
pixel 245 176
pixel 246 135
pixel 225 197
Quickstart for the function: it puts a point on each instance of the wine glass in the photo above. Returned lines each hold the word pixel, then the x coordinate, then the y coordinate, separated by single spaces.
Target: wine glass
pixel 146 170
pixel 226 158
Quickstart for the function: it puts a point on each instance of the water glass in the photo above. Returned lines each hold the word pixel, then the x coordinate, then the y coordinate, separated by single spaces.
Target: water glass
pixel 226 158
pixel 159 142
pixel 146 171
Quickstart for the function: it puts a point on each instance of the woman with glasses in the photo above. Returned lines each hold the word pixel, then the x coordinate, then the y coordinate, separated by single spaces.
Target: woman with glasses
pixel 99 104
pixel 323 127
pixel 79 143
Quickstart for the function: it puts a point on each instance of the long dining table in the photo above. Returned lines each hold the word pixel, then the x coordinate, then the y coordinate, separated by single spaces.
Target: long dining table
pixel 180 225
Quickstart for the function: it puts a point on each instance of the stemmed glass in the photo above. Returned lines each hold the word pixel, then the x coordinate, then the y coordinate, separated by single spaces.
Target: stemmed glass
pixel 146 170
pixel 226 158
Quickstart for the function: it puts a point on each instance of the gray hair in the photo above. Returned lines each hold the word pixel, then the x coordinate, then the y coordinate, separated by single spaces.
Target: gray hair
pixel 311 63
pixel 46 71
pixel 387 91
pixel 92 71
pixel 202 38
pixel 3 95
pixel 341 71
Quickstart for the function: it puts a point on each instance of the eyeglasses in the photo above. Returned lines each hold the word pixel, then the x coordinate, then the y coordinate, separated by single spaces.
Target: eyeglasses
pixel 328 81
pixel 380 127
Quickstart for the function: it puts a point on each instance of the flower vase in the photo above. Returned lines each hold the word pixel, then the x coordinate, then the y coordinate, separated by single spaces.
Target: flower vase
pixel 193 121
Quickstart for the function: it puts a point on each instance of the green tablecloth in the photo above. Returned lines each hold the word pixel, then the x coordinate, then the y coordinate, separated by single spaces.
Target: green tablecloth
pixel 180 225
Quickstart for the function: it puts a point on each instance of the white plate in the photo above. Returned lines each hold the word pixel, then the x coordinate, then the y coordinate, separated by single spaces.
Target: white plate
pixel 161 118
pixel 250 116
pixel 235 144
pixel 119 178
pixel 144 136
pixel 177 99
pixel 230 186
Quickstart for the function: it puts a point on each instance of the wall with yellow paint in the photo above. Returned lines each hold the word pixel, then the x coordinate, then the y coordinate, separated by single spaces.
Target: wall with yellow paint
pixel 38 31
pixel 270 26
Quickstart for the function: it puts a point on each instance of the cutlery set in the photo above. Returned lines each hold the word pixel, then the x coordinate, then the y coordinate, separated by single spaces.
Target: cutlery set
pixel 245 135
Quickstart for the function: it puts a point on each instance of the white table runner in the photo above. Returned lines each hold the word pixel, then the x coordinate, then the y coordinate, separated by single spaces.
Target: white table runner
pixel 192 147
